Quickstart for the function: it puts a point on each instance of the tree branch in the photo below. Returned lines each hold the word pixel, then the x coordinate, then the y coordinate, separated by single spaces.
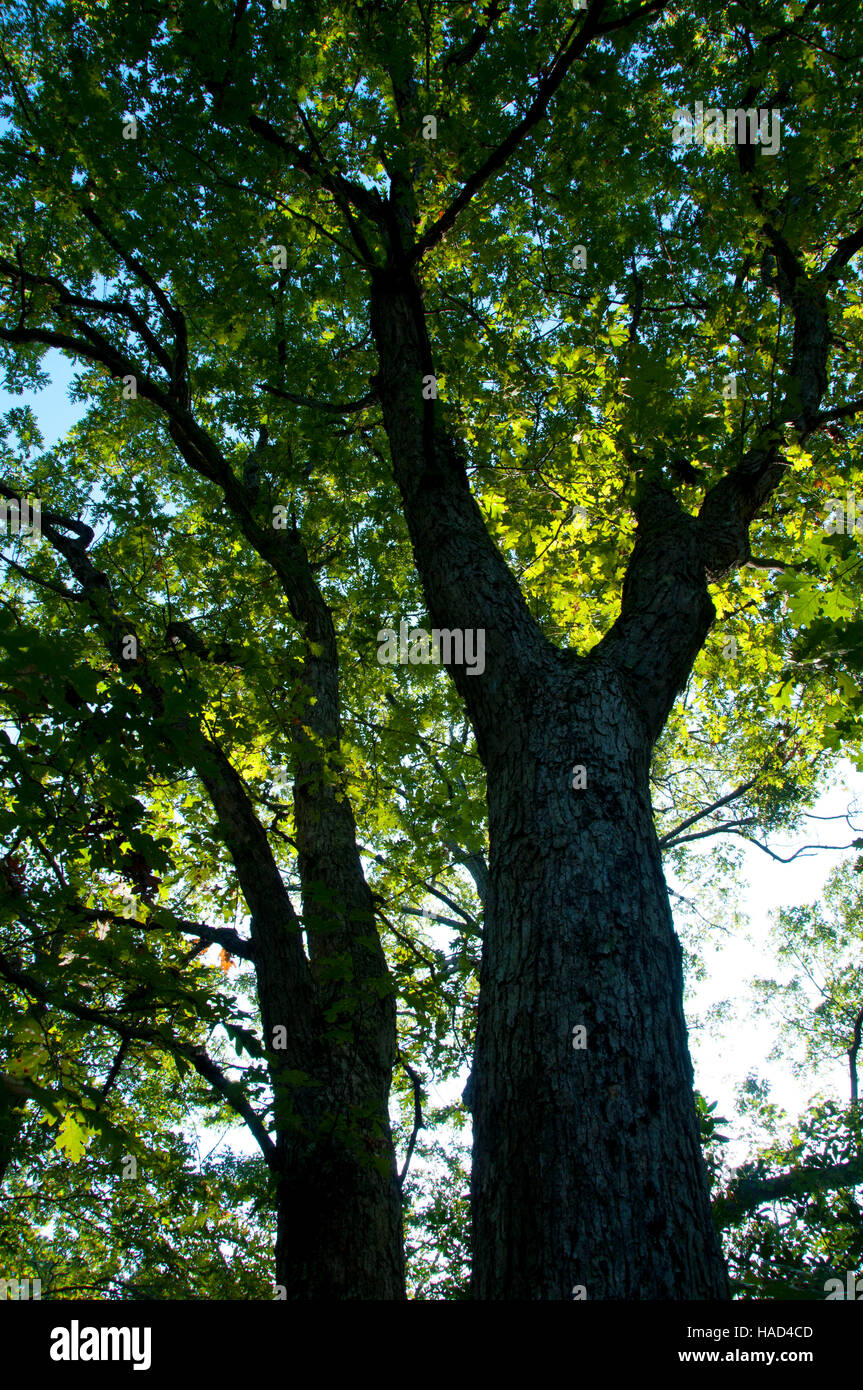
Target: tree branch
pixel 53 588
pixel 193 1053
pixel 853 1053
pixel 746 1194
pixel 225 937
pixel 459 57
pixel 668 839
pixel 840 413
pixel 572 50
pixel 416 1083
pixel 346 193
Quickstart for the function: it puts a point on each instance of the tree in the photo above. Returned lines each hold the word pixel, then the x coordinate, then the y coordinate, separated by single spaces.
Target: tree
pixel 483 243
pixel 821 944
pixel 791 1213
pixel 437 1220
pixel 128 1208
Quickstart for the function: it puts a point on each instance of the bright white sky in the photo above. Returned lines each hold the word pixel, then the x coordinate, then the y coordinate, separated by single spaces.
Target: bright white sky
pixel 724 1058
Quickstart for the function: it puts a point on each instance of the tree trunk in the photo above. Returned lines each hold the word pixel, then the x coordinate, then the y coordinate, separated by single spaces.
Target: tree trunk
pixel 588 1174
pixel 339 1218
pixel 339 1211
pixel 338 1200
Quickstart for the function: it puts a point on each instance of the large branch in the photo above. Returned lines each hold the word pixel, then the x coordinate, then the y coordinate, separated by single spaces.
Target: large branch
pixel 460 57
pixel 347 194
pixel 749 1193
pixel 179 367
pixel 93 347
pixel 666 611
pixel 572 49
pixel 108 307
pixel 343 188
pixel 467 584
pixel 225 937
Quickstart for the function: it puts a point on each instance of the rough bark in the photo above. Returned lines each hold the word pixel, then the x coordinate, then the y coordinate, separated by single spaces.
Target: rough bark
pixel 587 1165
pixel 339 1233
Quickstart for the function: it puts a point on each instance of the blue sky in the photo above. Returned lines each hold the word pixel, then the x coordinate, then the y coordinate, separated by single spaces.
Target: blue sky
pixel 53 409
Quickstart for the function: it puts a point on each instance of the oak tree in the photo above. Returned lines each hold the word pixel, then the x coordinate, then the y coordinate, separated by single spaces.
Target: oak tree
pixel 478 318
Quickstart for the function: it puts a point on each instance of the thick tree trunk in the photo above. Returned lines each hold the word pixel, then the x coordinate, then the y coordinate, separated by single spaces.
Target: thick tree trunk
pixel 588 1172
pixel 587 1165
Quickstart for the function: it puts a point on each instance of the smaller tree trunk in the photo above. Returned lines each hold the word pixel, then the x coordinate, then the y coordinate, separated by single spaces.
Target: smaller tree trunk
pixel 338 1201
